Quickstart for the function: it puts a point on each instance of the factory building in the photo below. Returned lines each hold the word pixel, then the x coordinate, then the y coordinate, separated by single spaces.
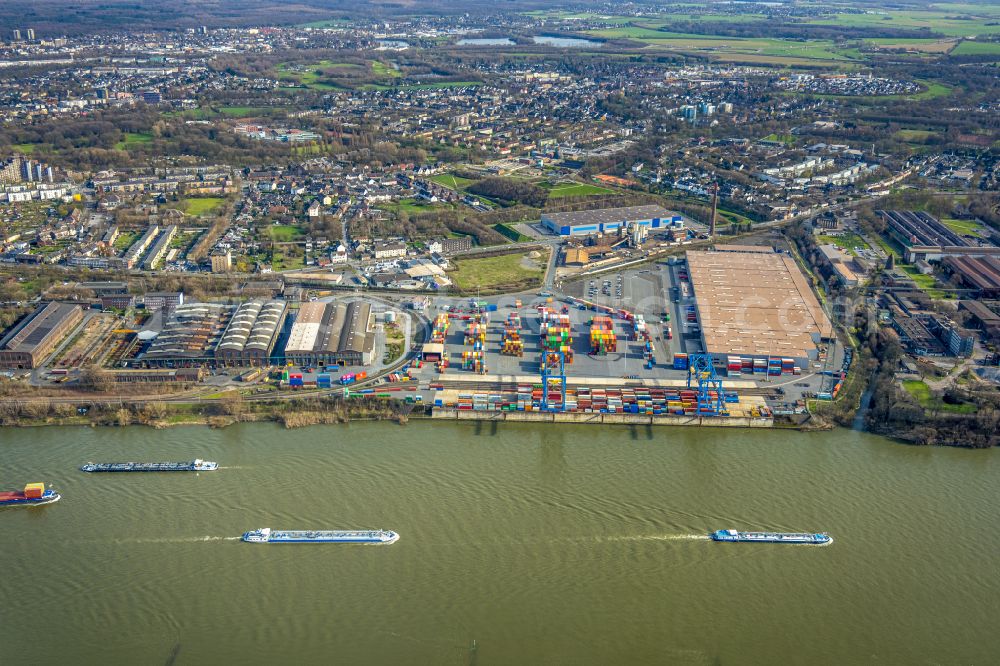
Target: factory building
pixel 33 339
pixel 252 333
pixel 609 220
pixel 757 306
pixel 924 238
pixel 189 336
pixel 332 333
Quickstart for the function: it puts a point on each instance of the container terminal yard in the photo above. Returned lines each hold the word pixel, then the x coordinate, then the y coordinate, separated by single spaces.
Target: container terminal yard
pixel 732 336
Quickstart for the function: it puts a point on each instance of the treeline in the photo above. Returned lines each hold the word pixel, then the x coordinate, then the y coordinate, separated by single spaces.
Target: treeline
pixel 801 31
pixel 510 191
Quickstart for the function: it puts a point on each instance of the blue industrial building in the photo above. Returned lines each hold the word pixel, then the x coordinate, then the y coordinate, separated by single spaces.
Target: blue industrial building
pixel 610 220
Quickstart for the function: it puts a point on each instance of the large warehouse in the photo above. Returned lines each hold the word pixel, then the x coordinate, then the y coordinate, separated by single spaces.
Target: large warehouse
pixel 609 220
pixel 756 305
pixel 252 333
pixel 189 336
pixel 924 237
pixel 28 343
pixel 327 333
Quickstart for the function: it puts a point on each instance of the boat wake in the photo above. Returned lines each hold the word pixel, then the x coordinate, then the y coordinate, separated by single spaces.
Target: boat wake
pixel 200 539
pixel 657 537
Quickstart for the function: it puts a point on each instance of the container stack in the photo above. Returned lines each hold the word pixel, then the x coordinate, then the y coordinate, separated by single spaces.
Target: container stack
pixel 734 366
pixel 680 361
pixel 652 401
pixel 649 354
pixel 774 367
pixel 475 334
pixel 511 344
pixel 440 331
pixel 442 363
pixel 34 490
pixel 602 336
pixel 556 333
pixel 639 331
pixel 690 315
pixel 475 361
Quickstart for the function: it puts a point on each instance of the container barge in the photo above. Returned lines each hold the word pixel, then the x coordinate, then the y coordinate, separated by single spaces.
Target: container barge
pixel 267 535
pixel 32 495
pixel 819 539
pixel 197 465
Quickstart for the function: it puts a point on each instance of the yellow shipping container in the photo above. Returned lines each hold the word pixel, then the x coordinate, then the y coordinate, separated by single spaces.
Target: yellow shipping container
pixel 34 490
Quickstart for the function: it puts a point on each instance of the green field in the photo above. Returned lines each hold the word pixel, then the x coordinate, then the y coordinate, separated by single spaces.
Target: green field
pixel 412 206
pixel 134 139
pixel 284 233
pixel 451 180
pixel 24 148
pixel 922 392
pixel 846 241
pixel 786 139
pixel 124 240
pixel 312 75
pixel 963 227
pixel 382 70
pixel 576 190
pixel 511 233
pixel 492 272
pixel 914 136
pixel 202 205
pixel 977 48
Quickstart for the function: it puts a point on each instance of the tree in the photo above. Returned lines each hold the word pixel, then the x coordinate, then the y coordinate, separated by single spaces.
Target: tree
pixel 93 378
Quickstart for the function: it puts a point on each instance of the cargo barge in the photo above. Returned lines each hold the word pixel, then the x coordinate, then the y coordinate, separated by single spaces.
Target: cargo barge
pixel 819 539
pixel 197 465
pixel 267 535
pixel 32 495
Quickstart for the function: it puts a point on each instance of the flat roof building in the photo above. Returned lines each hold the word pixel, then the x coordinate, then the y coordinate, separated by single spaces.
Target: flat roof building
pixel 609 220
pixel 328 333
pixel 31 340
pixel 252 333
pixel 759 305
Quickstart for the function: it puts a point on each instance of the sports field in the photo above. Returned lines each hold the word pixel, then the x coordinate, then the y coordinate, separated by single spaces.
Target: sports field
pixel 576 190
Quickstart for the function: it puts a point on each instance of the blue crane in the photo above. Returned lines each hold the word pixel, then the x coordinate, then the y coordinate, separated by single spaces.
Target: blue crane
pixel 701 371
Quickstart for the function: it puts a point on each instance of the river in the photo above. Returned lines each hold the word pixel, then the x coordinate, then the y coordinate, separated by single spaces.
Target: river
pixel 536 545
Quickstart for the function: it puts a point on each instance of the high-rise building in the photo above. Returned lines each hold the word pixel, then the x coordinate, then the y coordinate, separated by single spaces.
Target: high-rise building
pixel 15 36
pixel 31 34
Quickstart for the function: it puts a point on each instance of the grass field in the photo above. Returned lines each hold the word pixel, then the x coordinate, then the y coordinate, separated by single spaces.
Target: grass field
pixel 492 272
pixel 914 136
pixel 24 148
pixel 202 205
pixel 411 206
pixel 576 190
pixel 382 70
pixel 311 75
pixel 977 48
pixel 964 227
pixel 845 241
pixel 284 233
pixel 511 233
pixel 134 139
pixel 451 180
pixel 922 392
pixel 786 139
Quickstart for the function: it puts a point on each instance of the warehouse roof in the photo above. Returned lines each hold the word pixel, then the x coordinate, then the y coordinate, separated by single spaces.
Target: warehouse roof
pixel 192 331
pixel 253 326
pixel 332 328
pixel 759 306
pixel 36 327
pixel 608 215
